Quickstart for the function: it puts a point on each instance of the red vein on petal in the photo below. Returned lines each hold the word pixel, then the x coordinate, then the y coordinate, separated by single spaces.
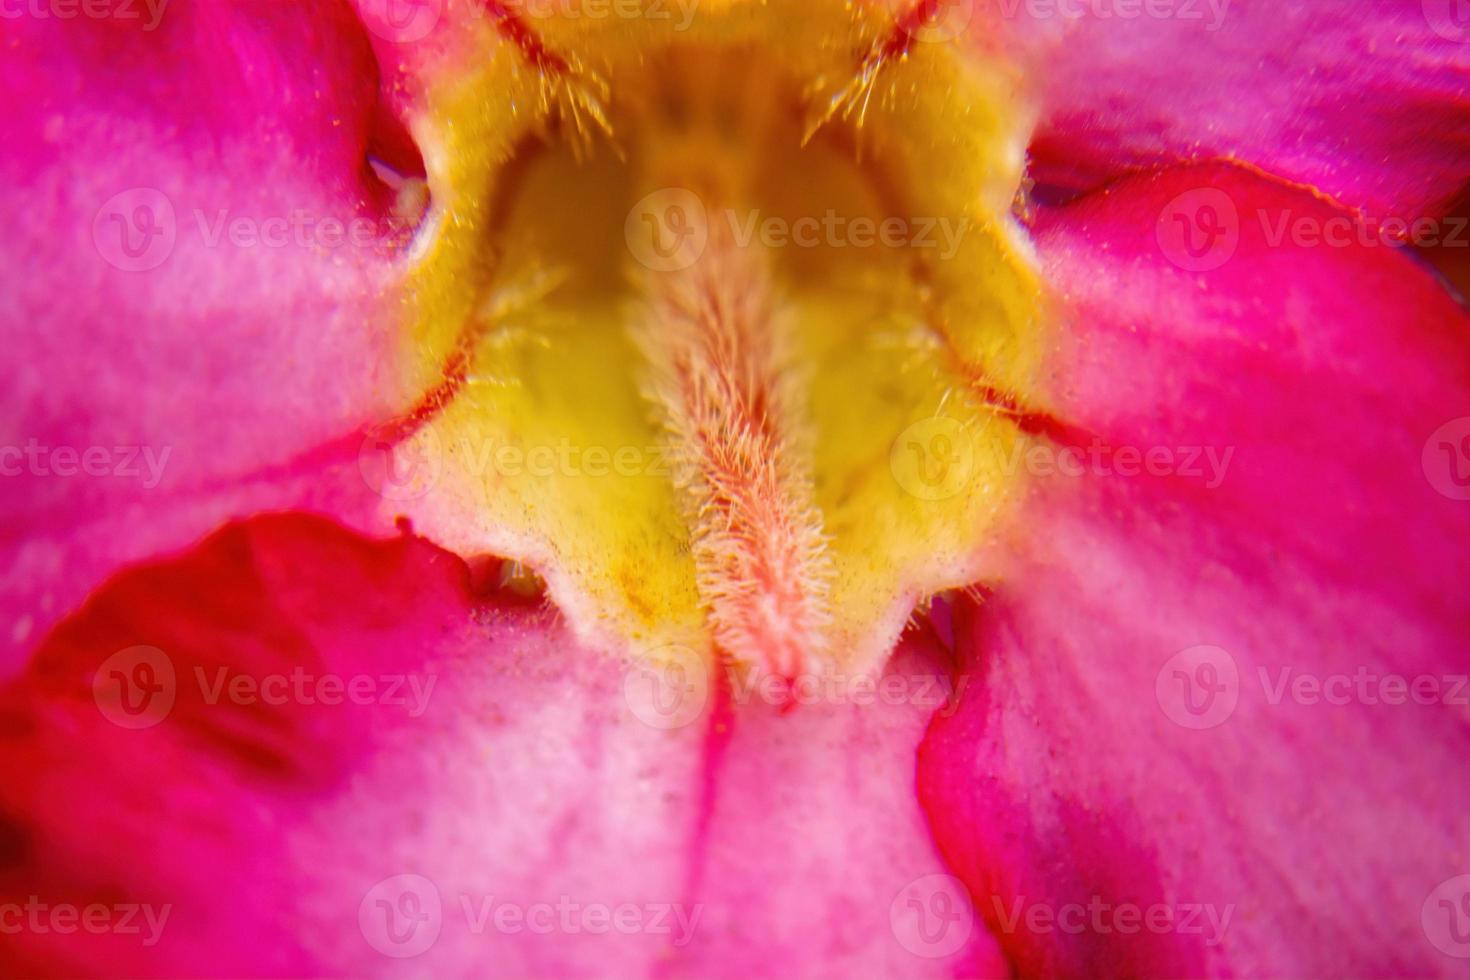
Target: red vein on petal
pixel 453 376
pixel 850 100
pixel 916 17
pixel 714 748
pixel 514 29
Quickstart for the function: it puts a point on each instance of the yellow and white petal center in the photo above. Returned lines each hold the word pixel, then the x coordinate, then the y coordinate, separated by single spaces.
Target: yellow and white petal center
pixel 731 309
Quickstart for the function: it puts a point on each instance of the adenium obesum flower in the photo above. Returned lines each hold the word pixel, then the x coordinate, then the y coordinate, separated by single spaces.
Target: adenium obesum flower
pixel 801 488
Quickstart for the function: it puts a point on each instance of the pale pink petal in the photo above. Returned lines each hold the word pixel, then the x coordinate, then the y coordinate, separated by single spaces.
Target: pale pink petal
pixel 522 771
pixel 183 320
pixel 1136 748
pixel 1365 100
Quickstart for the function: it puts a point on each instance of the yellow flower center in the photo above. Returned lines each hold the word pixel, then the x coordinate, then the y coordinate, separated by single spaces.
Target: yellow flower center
pixel 736 319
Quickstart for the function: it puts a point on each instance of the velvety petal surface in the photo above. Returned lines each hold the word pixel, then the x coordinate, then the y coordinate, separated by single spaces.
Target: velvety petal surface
pixel 1171 652
pixel 1365 101
pixel 453 787
pixel 196 242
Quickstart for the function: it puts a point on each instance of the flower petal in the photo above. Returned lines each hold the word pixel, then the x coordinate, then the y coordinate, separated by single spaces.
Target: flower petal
pixel 191 313
pixel 1147 738
pixel 475 757
pixel 1365 101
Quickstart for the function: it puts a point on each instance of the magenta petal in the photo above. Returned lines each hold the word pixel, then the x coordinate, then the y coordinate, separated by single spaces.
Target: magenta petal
pixel 490 768
pixel 190 325
pixel 1366 100
pixel 1137 748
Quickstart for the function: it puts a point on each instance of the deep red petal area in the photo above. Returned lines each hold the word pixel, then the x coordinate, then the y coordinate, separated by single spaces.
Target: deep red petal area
pixel 492 767
pixel 101 813
pixel 1173 721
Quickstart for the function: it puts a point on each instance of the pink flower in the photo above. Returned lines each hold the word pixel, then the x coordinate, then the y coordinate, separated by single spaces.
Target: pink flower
pixel 725 488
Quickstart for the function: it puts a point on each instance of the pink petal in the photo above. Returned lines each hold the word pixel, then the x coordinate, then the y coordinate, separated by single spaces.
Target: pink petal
pixel 532 772
pixel 1365 100
pixel 1333 544
pixel 159 384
